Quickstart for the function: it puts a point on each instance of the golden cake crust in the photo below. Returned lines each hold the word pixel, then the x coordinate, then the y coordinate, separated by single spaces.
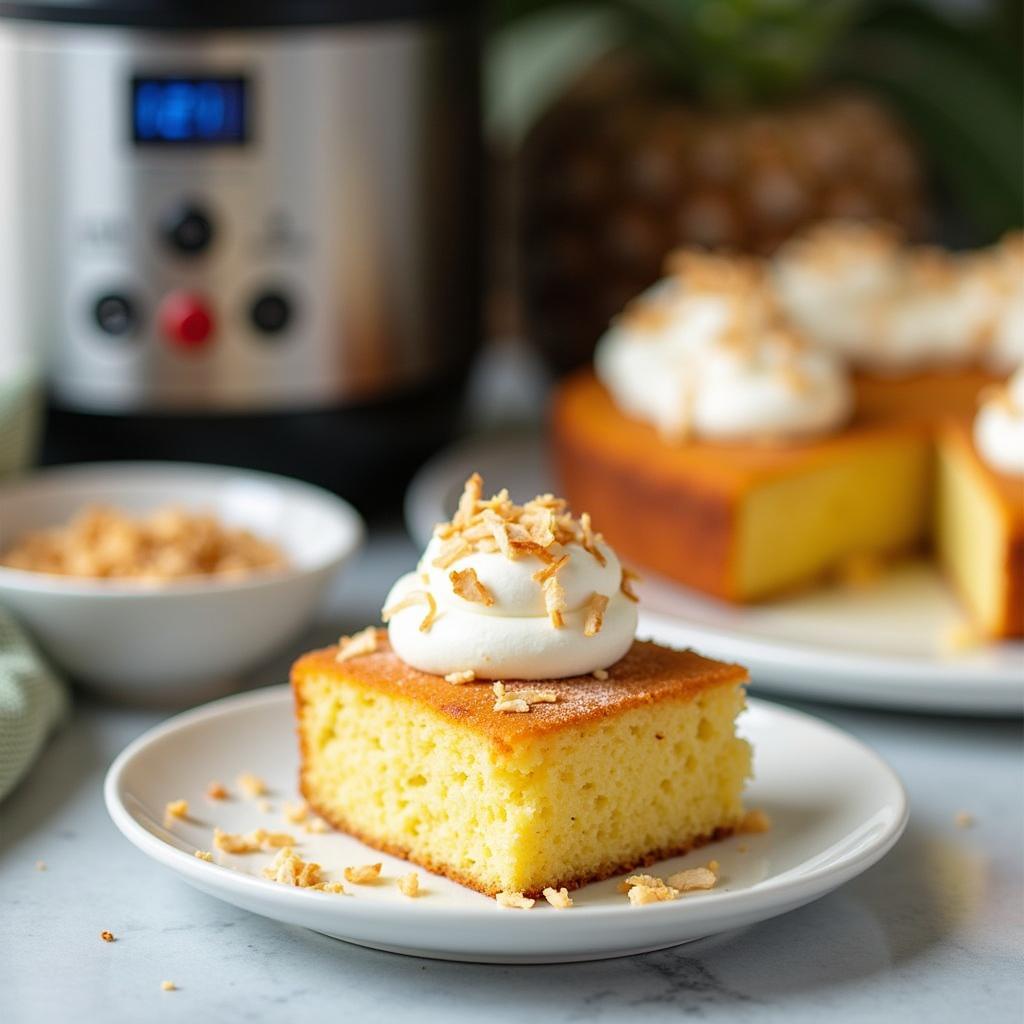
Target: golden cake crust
pixel 648 673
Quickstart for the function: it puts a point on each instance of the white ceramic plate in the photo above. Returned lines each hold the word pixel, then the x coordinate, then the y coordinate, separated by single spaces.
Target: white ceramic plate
pixel 836 807
pixel 886 645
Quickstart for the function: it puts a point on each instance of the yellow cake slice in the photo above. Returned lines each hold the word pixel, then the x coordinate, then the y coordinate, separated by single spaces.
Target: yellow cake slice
pixel 602 776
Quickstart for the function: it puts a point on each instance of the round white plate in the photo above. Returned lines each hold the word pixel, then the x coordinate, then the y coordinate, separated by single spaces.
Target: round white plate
pixel 887 644
pixel 836 807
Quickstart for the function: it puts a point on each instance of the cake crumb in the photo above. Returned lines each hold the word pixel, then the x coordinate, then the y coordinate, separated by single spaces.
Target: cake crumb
pixel 649 880
pixel 755 821
pixel 600 674
pixel 693 879
pixel 204 855
pixel 107 936
pixel 40 865
pixel 251 785
pixel 365 874
pixel 264 806
pixel 288 868
pixel 641 895
pixel 295 814
pixel 514 900
pixel 317 825
pixel 963 819
pixel 335 887
pixel 168 986
pixel 176 809
pixel 457 678
pixel 251 842
pixel 216 791
pixel 466 584
pixel 409 885
pixel 595 614
pixel 558 898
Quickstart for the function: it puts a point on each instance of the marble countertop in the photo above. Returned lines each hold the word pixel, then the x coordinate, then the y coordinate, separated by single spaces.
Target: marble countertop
pixel 933 932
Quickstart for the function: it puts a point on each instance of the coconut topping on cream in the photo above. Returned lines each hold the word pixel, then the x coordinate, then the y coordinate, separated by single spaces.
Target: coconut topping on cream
pixel 704 353
pixel 508 591
pixel 999 427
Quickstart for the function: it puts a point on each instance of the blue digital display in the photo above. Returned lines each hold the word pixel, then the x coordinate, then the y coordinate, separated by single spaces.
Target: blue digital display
pixel 180 110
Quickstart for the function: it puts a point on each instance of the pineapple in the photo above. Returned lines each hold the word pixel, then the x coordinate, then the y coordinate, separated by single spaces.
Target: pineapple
pixel 718 126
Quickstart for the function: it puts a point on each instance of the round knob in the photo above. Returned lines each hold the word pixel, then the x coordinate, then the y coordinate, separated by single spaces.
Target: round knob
pixel 114 314
pixel 186 320
pixel 270 312
pixel 188 229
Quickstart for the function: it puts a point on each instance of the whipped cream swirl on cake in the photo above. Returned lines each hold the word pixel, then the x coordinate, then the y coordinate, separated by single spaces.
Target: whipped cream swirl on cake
pixel 507 591
pixel 999 427
pixel 892 308
pixel 704 354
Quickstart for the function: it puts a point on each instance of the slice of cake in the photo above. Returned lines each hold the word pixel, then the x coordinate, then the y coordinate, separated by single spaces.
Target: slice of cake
pixel 610 775
pixel 979 511
pixel 508 731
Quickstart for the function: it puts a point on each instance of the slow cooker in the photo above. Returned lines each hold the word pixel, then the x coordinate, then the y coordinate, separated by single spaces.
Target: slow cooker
pixel 243 232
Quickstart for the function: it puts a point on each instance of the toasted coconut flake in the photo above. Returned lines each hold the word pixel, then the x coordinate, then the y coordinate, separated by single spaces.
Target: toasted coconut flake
pixel 499 531
pixel 409 885
pixel 466 584
pixel 364 874
pixel 204 855
pixel 472 492
pixel 414 597
pixel 558 898
pixel 216 791
pixel 363 642
pixel 626 586
pixel 537 696
pixel 554 601
pixel 514 900
pixel 451 551
pixel 458 678
pixel 549 570
pixel 251 785
pixel 590 539
pixel 512 705
pixel 693 879
pixel 601 674
pixel 595 614
pixel 498 688
pixel 755 821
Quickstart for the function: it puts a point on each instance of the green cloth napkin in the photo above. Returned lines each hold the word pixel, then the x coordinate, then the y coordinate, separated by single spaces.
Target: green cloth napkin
pixel 32 701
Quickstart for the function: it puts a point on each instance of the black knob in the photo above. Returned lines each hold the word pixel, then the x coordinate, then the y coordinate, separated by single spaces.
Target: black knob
pixel 188 229
pixel 114 314
pixel 270 312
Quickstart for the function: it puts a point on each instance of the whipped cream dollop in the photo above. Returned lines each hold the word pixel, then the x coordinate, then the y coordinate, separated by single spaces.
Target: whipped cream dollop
pixel 702 353
pixel 891 308
pixel 512 592
pixel 999 427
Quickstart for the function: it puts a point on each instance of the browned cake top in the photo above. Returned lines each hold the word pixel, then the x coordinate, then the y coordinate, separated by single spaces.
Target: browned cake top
pixel 647 674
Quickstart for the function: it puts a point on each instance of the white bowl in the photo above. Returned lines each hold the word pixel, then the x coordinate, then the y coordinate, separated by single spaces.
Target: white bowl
pixel 180 641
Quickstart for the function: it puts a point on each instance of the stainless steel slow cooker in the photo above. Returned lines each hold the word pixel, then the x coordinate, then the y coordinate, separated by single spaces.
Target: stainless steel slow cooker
pixel 243 231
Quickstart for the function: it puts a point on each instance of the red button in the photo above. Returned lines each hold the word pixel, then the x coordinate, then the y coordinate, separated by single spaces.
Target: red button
pixel 186 320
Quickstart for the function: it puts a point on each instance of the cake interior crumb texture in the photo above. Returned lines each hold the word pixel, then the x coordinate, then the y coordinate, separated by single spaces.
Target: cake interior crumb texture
pixel 614 775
